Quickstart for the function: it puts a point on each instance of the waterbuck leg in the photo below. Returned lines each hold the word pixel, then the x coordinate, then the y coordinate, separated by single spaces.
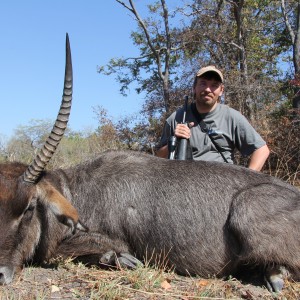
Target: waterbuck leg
pixel 274 278
pixel 122 260
pixel 94 248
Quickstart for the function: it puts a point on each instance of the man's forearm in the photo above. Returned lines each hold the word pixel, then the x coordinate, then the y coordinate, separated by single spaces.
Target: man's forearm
pixel 258 158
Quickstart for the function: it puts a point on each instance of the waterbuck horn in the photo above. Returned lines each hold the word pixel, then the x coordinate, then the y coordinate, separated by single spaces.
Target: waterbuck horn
pixel 41 160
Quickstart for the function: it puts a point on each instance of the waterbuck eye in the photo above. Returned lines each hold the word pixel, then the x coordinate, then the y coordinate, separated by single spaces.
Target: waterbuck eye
pixel 30 208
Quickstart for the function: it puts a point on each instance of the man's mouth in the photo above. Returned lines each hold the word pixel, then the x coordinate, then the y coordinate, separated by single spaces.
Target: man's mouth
pixel 207 96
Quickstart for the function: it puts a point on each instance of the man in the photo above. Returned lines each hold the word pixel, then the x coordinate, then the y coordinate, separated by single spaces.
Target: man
pixel 214 130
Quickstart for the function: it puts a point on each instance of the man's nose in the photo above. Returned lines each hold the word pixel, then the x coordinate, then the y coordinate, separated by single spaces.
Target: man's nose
pixel 208 88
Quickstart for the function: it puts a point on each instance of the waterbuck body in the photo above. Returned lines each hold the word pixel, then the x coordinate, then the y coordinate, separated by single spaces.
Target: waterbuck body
pixel 203 218
pixel 200 218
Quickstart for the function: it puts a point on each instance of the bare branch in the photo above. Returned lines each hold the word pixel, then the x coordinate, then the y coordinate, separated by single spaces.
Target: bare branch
pixel 286 20
pixel 141 22
pixel 126 6
pixel 168 37
pixel 158 51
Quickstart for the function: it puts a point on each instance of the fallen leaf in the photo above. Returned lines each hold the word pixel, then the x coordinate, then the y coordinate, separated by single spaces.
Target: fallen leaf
pixel 54 289
pixel 247 295
pixel 165 285
pixel 202 283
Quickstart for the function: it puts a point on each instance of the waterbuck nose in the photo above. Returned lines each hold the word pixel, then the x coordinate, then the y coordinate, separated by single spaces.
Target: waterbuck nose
pixel 6 274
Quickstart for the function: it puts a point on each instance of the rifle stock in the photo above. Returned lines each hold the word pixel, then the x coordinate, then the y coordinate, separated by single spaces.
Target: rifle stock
pixel 182 149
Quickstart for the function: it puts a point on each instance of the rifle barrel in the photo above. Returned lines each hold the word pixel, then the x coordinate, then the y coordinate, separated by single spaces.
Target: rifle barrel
pixel 183 143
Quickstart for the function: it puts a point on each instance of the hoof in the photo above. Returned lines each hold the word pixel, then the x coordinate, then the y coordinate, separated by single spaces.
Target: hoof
pixel 128 261
pixel 274 278
pixel 108 258
pixel 122 260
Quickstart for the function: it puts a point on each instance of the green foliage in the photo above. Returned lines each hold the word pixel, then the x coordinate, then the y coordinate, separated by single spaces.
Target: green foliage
pixel 153 68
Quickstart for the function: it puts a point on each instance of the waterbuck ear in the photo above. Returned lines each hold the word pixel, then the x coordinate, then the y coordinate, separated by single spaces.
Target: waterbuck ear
pixel 65 212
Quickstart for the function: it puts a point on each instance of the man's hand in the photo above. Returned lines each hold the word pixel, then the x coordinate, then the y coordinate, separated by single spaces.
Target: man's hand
pixel 183 130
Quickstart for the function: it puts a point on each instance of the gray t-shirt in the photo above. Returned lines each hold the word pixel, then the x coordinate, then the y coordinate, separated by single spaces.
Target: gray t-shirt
pixel 229 129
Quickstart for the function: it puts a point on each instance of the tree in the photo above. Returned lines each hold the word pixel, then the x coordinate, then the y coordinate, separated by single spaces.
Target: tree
pixel 28 139
pixel 291 17
pixel 3 154
pixel 129 132
pixel 237 37
pixel 152 69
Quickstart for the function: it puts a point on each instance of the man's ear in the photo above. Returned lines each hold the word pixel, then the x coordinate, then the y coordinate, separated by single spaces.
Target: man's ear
pixel 194 93
pixel 222 90
pixel 65 212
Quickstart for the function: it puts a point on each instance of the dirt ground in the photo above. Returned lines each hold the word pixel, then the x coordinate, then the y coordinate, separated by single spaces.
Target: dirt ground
pixel 75 281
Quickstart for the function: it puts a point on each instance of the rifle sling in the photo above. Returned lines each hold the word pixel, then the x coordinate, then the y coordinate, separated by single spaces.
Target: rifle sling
pixel 204 129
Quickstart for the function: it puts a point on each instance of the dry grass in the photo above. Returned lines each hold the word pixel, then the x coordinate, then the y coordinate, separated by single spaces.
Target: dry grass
pixel 75 281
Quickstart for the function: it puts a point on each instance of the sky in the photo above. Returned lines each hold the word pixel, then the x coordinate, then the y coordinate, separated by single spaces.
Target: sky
pixel 32 60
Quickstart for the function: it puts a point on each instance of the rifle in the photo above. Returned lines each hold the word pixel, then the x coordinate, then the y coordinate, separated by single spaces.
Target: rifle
pixel 172 143
pixel 179 149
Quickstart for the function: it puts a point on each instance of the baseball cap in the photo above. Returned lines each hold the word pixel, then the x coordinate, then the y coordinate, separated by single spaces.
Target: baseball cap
pixel 210 69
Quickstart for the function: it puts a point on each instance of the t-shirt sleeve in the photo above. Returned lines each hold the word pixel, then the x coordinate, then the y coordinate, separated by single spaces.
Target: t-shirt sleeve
pixel 247 139
pixel 165 135
pixel 168 130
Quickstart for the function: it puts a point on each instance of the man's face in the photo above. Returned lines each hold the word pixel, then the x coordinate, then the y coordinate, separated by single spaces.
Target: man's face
pixel 207 92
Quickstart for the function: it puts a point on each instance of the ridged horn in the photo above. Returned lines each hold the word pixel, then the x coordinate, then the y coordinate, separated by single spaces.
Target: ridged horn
pixel 41 160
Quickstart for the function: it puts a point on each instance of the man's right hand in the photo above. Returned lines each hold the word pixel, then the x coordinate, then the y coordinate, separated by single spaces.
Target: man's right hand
pixel 183 130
